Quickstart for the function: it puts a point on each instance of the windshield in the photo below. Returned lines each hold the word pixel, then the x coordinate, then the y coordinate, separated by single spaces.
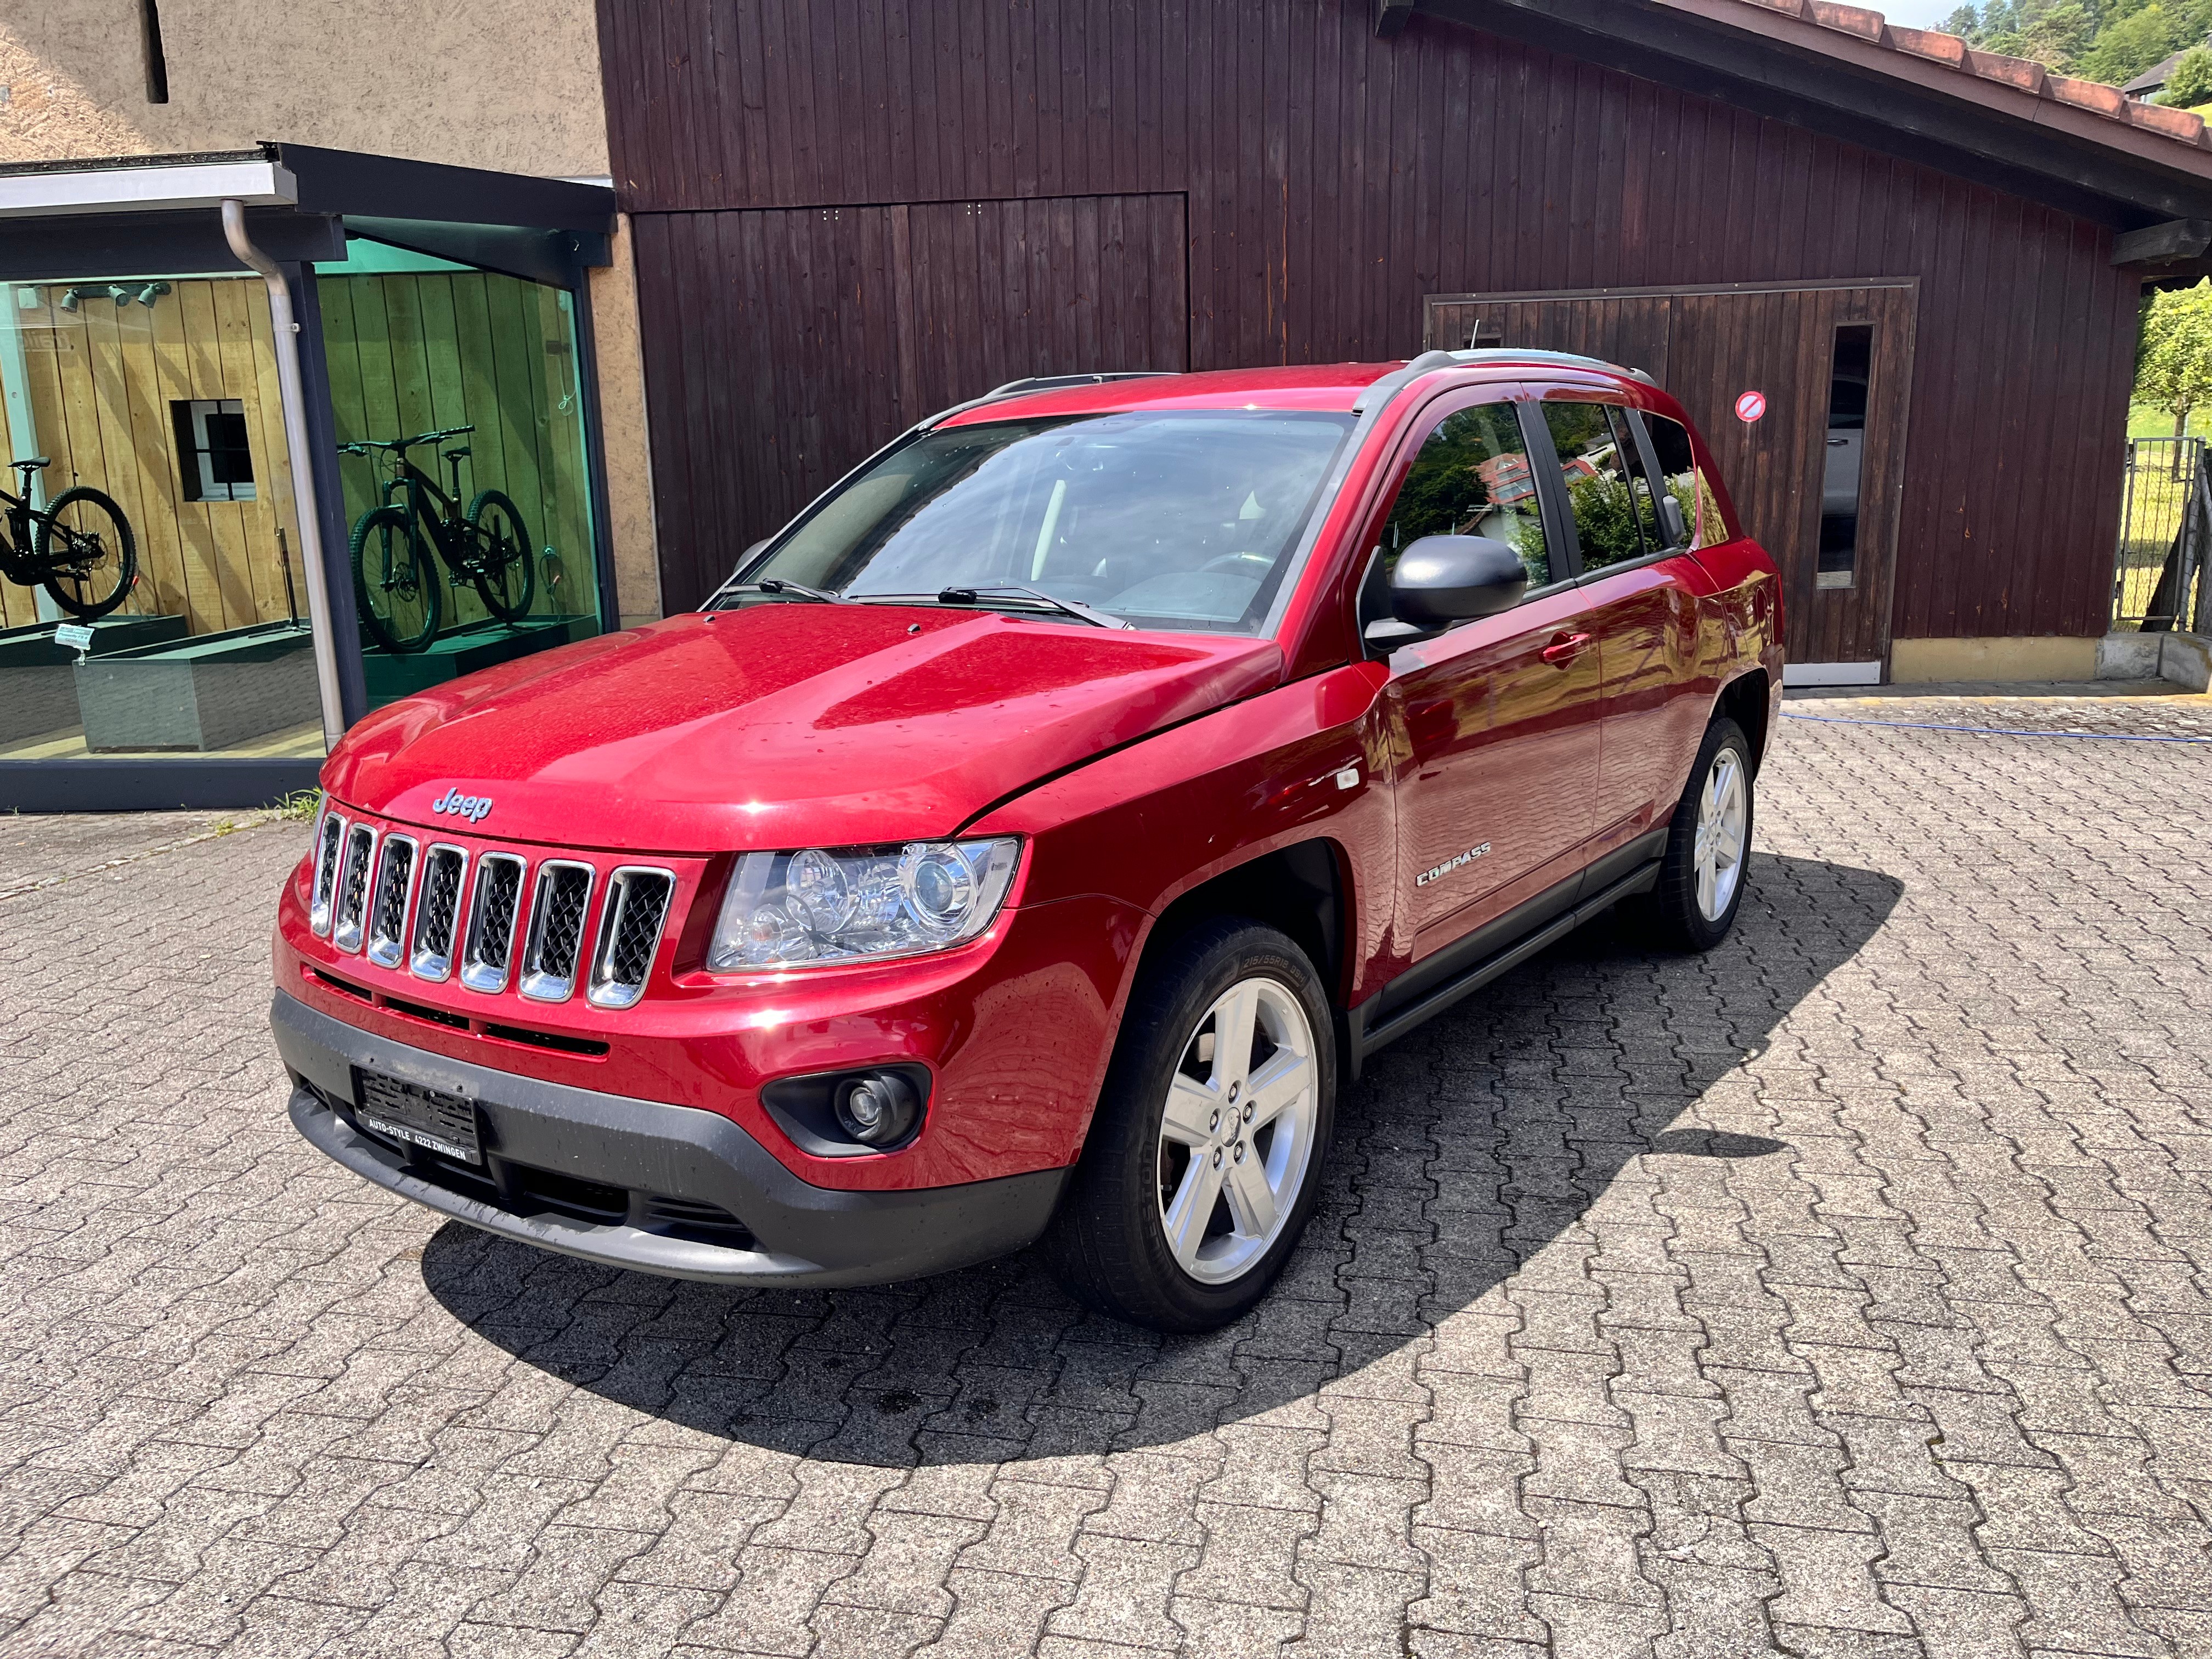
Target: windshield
pixel 1171 520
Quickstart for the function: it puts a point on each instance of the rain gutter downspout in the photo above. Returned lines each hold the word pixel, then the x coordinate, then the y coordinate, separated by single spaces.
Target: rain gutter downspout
pixel 304 516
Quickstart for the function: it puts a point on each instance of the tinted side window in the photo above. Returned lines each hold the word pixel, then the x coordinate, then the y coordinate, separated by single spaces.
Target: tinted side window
pixel 1670 442
pixel 1594 463
pixel 1471 477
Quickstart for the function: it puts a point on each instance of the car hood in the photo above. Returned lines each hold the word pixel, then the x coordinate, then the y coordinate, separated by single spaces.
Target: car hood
pixel 782 724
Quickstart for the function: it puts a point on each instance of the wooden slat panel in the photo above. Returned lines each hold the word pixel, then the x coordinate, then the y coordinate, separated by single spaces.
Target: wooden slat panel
pixel 821 334
pixel 1333 180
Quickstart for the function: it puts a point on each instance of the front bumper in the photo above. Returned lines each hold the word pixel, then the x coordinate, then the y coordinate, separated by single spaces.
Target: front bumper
pixel 616 1162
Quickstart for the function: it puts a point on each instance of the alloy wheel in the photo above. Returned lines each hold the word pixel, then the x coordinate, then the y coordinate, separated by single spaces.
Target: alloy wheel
pixel 1237 1133
pixel 1723 813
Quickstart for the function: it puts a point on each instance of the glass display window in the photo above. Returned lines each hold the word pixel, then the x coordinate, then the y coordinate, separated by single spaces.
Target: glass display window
pixel 152 601
pixel 459 414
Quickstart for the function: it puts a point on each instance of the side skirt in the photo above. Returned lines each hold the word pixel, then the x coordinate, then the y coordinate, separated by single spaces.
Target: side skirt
pixel 1368 1027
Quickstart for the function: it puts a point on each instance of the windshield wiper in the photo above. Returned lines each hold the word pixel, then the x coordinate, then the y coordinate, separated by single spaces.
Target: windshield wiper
pixel 797 590
pixel 1074 608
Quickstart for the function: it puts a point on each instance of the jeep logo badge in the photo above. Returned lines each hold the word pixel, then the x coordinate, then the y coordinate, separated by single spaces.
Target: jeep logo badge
pixel 457 804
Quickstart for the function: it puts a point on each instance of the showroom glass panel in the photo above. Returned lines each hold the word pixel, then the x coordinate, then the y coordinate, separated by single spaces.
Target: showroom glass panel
pixel 160 396
pixel 416 345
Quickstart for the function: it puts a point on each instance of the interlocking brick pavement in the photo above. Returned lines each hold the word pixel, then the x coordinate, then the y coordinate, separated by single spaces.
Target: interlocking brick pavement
pixel 1840 1293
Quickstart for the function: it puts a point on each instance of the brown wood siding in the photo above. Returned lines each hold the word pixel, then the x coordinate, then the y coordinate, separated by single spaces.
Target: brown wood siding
pixel 812 337
pixel 1333 180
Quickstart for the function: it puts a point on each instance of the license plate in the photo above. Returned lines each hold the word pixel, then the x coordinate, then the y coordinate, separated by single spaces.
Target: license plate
pixel 423 1117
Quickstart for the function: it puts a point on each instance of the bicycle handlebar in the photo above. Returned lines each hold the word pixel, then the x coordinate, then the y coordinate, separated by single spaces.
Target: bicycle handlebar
pixel 398 445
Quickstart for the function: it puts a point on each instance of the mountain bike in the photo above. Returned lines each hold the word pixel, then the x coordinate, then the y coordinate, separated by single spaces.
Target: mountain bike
pixel 395 577
pixel 80 549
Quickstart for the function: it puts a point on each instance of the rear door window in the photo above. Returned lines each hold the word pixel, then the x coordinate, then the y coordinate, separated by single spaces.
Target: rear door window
pixel 1596 465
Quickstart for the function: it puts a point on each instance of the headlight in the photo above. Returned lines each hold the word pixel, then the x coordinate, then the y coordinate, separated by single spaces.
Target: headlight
pixel 784 910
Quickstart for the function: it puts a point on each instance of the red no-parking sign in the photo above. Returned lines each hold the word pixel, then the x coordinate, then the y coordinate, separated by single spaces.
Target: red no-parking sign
pixel 1750 406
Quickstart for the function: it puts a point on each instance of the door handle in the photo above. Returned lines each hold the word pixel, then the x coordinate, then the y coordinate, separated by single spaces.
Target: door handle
pixel 1565 648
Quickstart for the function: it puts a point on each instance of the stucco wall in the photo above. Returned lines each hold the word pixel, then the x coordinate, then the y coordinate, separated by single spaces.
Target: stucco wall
pixel 510 85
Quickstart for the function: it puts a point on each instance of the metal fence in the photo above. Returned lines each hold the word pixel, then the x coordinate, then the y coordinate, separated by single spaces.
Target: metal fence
pixel 2166 537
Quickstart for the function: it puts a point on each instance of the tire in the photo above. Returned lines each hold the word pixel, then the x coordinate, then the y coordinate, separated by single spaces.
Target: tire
pixel 1142 1177
pixel 95 565
pixel 1694 905
pixel 506 574
pixel 395 580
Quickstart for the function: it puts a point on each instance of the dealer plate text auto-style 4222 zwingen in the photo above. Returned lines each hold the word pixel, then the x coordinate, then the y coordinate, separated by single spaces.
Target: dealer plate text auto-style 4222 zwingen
pixel 1031 839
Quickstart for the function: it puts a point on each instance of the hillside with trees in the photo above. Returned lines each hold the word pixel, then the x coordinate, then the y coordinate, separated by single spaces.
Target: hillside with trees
pixel 2108 40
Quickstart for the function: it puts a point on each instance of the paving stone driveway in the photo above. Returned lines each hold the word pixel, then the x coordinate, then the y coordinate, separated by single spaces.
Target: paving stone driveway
pixel 1838 1294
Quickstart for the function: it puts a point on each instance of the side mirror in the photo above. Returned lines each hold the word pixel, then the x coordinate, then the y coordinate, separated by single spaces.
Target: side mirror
pixel 1442 580
pixel 1671 523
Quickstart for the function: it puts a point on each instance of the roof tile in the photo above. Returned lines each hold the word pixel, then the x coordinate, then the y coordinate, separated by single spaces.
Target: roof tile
pixel 1849 20
pixel 2175 122
pixel 1929 43
pixel 2088 94
pixel 2022 72
pixel 2025 73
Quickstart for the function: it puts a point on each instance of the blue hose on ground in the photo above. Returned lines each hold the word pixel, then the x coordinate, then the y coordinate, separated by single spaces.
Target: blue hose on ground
pixel 1995 731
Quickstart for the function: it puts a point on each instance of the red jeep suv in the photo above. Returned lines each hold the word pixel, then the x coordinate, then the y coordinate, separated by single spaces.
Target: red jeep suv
pixel 1031 839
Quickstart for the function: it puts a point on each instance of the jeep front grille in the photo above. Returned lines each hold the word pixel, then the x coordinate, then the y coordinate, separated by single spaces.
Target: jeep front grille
pixel 330 844
pixel 437 912
pixel 630 934
pixel 556 930
pixel 387 907
pixel 492 911
pixel 353 887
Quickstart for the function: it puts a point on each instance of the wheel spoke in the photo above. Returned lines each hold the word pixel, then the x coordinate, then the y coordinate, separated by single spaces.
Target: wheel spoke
pixel 1190 1110
pixel 1277 1084
pixel 1251 1200
pixel 1728 841
pixel 1235 1017
pixel 1707 882
pixel 1193 1208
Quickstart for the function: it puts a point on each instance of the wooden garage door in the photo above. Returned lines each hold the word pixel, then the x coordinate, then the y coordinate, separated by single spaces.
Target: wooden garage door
pixel 1792 343
pixel 782 345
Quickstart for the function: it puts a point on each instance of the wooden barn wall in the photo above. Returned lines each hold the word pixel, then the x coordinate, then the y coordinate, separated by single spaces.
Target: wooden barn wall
pixel 101 380
pixel 1333 180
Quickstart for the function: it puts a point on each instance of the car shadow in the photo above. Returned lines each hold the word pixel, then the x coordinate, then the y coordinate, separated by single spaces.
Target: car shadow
pixel 1466 1148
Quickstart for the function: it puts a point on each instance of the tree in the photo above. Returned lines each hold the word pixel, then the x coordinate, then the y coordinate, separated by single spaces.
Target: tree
pixel 2174 360
pixel 2190 83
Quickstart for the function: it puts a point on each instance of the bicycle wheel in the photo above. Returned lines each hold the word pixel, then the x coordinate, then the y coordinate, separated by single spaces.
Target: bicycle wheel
pixel 505 573
pixel 395 581
pixel 89 555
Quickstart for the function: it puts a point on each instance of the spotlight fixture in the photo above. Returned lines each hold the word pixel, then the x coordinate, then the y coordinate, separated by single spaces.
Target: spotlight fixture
pixel 119 293
pixel 146 295
pixel 69 298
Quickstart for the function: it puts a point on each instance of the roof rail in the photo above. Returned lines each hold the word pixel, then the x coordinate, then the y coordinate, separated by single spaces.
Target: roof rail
pixel 1565 359
pixel 1379 392
pixel 1041 383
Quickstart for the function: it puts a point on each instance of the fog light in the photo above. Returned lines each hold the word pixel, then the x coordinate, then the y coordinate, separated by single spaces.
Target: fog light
pixel 877 1108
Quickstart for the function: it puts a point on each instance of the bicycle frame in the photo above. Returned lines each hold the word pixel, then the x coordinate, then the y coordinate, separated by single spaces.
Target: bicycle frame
pixel 444 522
pixel 17 563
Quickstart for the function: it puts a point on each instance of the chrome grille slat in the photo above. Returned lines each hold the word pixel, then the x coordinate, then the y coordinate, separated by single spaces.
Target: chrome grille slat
pixel 349 913
pixel 630 934
pixel 330 844
pixel 558 911
pixel 438 912
pixel 494 906
pixel 388 906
